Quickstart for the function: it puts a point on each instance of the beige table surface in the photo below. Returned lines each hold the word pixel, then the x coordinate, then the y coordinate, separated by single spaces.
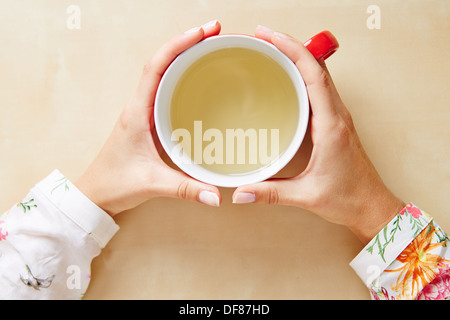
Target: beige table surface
pixel 61 91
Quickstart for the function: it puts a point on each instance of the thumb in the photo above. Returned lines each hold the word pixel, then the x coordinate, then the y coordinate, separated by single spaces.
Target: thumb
pixel 179 185
pixel 273 191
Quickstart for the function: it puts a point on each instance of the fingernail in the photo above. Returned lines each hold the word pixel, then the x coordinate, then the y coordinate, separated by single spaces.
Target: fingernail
pixel 196 29
pixel 244 197
pixel 264 29
pixel 281 35
pixel 209 24
pixel 209 198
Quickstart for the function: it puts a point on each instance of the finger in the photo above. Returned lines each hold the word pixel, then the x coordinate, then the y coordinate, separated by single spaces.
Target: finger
pixel 273 191
pixel 211 28
pixel 155 68
pixel 179 185
pixel 321 91
pixel 317 80
pixel 309 67
pixel 264 33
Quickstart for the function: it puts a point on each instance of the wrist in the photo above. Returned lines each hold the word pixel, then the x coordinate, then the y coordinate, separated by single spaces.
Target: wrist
pixel 376 212
pixel 87 184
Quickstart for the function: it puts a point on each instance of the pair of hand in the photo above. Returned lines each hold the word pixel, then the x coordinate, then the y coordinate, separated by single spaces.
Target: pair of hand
pixel 340 184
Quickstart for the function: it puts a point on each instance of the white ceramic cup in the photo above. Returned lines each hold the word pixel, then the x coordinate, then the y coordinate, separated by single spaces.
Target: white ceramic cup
pixel 163 104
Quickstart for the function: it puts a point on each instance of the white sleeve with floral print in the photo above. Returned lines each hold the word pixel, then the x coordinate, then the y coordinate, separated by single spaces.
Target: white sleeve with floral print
pixel 408 259
pixel 48 241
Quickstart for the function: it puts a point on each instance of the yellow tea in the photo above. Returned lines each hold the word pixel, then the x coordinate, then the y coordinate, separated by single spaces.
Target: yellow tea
pixel 234 111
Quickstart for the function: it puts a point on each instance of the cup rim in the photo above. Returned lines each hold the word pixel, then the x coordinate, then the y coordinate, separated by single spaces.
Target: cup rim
pixel 167 86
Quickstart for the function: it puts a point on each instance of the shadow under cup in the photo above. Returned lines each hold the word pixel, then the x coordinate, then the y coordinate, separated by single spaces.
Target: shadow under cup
pixel 231 110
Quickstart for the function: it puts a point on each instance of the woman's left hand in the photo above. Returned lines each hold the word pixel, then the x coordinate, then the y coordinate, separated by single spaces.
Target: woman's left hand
pixel 129 170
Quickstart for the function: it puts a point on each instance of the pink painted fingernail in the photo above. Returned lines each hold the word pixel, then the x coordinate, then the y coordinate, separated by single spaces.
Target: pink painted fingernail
pixel 209 24
pixel 281 35
pixel 244 197
pixel 264 29
pixel 209 198
pixel 193 30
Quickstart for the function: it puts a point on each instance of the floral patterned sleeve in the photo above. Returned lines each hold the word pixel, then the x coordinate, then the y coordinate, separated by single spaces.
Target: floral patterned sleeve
pixel 48 241
pixel 408 259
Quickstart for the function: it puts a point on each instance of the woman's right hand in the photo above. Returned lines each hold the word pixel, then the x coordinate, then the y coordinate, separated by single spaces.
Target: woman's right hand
pixel 340 183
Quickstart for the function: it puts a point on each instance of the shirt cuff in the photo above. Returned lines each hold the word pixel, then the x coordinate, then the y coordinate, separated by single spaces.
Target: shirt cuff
pixel 77 207
pixel 387 245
